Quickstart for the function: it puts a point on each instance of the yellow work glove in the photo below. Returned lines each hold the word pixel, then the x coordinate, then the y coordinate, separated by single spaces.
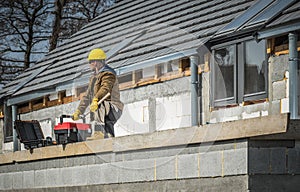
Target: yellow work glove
pixel 94 105
pixel 75 116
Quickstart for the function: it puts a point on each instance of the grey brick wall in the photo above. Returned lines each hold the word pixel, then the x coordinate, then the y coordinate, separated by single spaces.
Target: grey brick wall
pixel 148 165
pixel 218 162
pixel 274 157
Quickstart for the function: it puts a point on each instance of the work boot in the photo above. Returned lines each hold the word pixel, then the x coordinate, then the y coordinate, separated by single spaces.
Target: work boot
pixel 108 135
pixel 96 135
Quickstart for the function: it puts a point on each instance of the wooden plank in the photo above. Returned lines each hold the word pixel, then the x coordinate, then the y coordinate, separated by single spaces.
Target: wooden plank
pixel 147 81
pixel 69 99
pixel 126 85
pixel 37 106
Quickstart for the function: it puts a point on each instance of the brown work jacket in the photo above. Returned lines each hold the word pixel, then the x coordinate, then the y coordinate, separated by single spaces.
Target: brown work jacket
pixel 100 84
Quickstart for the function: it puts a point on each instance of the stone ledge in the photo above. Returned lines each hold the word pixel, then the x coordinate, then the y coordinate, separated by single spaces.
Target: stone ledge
pixel 207 133
pixel 57 151
pixel 260 126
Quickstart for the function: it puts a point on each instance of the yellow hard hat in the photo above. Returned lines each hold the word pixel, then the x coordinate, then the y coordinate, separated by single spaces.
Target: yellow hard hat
pixel 97 54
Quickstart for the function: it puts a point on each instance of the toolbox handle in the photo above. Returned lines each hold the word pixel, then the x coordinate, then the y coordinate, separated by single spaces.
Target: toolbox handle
pixel 61 118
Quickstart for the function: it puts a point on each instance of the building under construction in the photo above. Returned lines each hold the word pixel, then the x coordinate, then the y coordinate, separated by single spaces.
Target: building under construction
pixel 211 100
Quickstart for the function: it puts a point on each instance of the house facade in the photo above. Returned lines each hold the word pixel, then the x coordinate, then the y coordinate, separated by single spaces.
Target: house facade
pixel 210 92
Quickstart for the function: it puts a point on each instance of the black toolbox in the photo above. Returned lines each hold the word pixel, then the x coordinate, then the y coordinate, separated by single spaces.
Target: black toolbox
pixel 30 134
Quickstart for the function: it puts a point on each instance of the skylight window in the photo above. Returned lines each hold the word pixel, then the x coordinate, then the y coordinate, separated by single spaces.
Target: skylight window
pixel 246 16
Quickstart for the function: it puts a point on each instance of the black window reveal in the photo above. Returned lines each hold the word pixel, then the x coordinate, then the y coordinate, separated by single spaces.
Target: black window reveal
pixel 239 73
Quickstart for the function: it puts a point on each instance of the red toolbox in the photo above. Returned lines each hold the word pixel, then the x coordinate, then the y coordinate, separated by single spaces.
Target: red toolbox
pixel 69 132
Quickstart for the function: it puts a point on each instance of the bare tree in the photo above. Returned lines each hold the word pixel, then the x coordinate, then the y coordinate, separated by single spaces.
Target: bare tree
pixel 71 15
pixel 26 21
pixel 23 31
pixel 58 12
pixel 31 28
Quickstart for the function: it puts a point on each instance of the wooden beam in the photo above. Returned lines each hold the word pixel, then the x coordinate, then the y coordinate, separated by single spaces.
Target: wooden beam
pixel 45 101
pixel 30 105
pixel 207 62
pixel 183 64
pixel 271 46
pixel 136 76
pixel 284 49
pixel 284 52
pixel 61 95
pixel 158 72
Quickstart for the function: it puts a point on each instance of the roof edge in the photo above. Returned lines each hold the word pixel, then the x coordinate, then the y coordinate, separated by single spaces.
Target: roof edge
pixel 155 61
pixel 277 31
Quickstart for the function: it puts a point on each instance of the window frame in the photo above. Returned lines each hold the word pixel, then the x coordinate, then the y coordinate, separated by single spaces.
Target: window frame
pixel 257 95
pixel 239 75
pixel 228 100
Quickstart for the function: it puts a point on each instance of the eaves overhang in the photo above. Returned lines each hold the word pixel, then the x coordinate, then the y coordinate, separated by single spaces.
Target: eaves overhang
pixel 283 29
pixel 28 97
pixel 155 61
pixel 19 99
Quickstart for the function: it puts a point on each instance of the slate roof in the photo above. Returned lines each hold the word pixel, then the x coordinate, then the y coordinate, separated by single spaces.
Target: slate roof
pixel 174 28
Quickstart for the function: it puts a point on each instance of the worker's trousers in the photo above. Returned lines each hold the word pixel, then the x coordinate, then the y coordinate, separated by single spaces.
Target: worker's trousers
pixel 110 119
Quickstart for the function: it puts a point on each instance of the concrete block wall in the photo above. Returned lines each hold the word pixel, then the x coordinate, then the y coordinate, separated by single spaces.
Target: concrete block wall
pixel 155 107
pixel 242 161
pixel 219 159
pixel 173 111
pixel 274 165
pixel 134 120
pixel 274 157
pixel 279 81
pixel 155 114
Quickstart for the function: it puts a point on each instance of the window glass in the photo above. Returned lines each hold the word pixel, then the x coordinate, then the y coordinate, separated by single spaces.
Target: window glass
pixel 254 67
pixel 125 78
pixel 224 73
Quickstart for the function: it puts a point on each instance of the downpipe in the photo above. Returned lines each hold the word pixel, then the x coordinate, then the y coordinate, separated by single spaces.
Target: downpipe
pixel 293 76
pixel 14 109
pixel 194 90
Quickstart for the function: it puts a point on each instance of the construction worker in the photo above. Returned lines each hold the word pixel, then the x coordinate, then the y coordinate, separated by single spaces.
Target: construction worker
pixel 102 84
